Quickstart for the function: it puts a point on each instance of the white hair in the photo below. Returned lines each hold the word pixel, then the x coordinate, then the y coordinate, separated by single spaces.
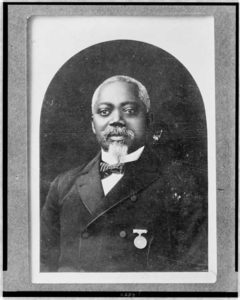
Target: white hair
pixel 142 91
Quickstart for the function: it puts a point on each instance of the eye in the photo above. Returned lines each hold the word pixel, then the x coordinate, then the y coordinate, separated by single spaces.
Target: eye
pixel 104 112
pixel 130 111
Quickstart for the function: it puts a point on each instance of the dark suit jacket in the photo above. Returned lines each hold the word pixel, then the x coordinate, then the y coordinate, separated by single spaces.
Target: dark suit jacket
pixel 83 230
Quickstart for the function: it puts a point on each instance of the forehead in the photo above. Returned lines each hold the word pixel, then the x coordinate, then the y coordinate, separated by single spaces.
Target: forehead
pixel 118 92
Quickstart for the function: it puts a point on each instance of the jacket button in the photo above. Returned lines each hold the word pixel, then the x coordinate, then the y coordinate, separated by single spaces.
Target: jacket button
pixel 133 198
pixel 123 234
pixel 85 235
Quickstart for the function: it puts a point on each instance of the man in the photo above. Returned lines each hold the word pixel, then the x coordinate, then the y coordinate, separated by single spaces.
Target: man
pixel 128 209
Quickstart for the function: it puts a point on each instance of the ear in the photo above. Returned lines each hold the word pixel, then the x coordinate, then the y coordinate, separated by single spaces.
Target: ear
pixel 93 128
pixel 149 119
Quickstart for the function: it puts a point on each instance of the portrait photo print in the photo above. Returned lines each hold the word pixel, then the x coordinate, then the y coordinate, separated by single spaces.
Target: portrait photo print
pixel 123 151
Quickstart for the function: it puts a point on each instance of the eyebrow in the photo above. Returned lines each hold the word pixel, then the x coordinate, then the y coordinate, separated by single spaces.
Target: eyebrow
pixel 122 104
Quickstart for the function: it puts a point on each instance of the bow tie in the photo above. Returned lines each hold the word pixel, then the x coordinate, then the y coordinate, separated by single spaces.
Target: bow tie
pixel 106 169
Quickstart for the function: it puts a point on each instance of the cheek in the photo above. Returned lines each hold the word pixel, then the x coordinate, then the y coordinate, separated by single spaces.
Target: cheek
pixel 99 124
pixel 138 126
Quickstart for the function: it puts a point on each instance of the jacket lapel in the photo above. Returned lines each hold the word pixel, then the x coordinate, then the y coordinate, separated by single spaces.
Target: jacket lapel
pixel 138 175
pixel 90 187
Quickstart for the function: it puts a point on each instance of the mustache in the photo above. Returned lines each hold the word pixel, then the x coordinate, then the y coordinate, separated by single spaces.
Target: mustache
pixel 120 131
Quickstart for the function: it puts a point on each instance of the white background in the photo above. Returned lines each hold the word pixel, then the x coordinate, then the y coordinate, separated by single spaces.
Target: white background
pixel 53 40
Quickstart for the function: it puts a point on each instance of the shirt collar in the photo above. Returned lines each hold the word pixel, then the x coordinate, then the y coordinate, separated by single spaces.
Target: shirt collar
pixel 108 158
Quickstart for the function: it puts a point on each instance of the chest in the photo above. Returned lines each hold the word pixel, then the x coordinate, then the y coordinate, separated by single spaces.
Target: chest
pixel 126 236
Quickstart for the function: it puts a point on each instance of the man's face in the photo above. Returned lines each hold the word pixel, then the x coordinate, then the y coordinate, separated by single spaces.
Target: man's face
pixel 119 116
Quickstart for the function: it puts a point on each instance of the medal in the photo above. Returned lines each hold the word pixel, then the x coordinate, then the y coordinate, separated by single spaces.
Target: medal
pixel 140 241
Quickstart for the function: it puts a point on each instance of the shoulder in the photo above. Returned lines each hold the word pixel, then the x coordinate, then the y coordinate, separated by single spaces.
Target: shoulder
pixel 68 176
pixel 64 181
pixel 186 189
pixel 180 174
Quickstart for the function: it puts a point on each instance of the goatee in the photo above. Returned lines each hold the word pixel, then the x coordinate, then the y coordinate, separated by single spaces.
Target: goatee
pixel 118 151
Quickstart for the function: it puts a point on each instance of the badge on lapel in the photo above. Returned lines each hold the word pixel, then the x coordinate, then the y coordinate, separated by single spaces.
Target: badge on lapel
pixel 140 241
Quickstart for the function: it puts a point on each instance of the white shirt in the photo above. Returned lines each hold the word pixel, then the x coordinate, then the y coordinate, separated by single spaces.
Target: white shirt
pixel 109 182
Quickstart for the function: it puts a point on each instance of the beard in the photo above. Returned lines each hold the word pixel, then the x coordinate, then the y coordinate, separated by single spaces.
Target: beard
pixel 117 148
pixel 118 151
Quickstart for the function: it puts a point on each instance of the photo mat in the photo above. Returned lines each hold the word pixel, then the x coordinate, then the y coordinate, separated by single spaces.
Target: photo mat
pixel 188 52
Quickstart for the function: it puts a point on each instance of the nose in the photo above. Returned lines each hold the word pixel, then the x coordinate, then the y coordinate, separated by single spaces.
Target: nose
pixel 117 117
